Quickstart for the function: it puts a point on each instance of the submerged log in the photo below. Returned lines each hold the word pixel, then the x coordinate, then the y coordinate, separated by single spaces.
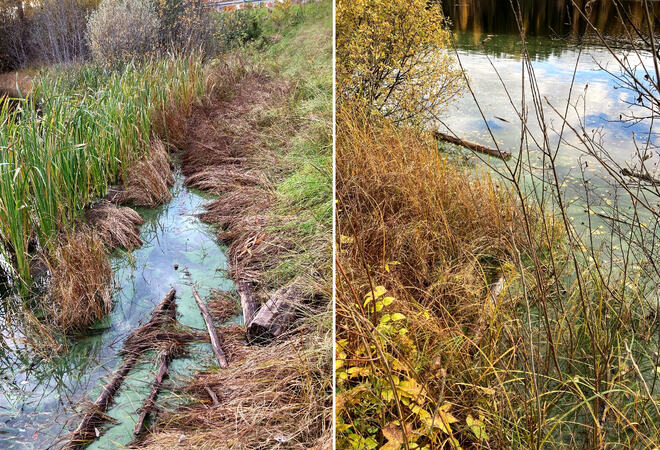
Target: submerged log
pixel 150 402
pixel 274 317
pixel 215 341
pixel 249 302
pixel 95 417
pixel 471 145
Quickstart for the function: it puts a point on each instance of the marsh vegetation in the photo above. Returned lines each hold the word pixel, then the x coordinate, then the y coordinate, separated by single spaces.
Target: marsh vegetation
pixel 502 304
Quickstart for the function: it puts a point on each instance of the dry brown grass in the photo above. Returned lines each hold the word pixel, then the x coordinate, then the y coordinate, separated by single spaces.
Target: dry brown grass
pixel 221 306
pixel 118 227
pixel 81 279
pixel 401 201
pixel 223 157
pixel 436 237
pixel 147 181
pixel 268 400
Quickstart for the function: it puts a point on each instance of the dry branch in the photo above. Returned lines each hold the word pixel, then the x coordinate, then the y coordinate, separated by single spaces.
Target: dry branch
pixel 150 402
pixel 215 341
pixel 471 145
pixel 640 176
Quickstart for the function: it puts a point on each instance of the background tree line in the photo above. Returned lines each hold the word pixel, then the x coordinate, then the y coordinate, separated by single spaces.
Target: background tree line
pixel 67 31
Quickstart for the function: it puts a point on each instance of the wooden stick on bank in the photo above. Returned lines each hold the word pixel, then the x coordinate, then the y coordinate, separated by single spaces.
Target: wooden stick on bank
pixel 215 341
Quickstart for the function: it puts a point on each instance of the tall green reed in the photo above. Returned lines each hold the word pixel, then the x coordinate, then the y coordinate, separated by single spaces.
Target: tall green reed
pixel 72 137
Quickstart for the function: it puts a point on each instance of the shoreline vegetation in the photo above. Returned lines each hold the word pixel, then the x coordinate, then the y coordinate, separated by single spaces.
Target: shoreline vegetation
pixel 471 313
pixel 252 127
pixel 263 145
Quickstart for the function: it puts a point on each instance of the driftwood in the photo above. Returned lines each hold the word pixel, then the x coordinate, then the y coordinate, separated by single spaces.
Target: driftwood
pixel 95 417
pixel 471 145
pixel 215 341
pixel 150 402
pixel 640 176
pixel 249 301
pixel 274 317
pixel 212 394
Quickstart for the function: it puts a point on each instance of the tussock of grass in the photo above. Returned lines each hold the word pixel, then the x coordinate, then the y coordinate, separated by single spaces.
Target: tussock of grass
pixel 147 181
pixel 445 230
pixel 118 227
pixel 81 276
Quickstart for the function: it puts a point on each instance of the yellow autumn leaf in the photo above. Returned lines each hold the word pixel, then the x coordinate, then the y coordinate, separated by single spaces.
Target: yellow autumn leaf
pixel 411 388
pixel 378 292
pixel 477 427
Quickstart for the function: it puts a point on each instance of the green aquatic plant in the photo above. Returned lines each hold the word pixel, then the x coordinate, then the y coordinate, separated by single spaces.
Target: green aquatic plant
pixel 77 133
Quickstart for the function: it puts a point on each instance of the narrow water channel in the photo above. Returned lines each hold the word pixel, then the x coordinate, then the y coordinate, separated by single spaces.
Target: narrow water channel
pixel 39 400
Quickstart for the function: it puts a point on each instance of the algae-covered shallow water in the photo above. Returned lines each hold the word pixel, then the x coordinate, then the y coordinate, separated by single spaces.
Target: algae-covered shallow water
pixel 39 399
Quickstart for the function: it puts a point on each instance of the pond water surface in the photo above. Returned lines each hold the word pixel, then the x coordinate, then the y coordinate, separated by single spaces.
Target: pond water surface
pixel 39 400
pixel 490 50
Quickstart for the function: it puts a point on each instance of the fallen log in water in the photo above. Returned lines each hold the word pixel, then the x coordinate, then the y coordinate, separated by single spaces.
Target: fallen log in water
pixel 249 302
pixel 215 341
pixel 274 317
pixel 640 176
pixel 471 145
pixel 95 417
pixel 149 404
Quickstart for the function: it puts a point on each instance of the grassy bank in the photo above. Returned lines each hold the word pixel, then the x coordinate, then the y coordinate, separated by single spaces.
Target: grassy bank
pixel 465 316
pixel 262 143
pixel 80 131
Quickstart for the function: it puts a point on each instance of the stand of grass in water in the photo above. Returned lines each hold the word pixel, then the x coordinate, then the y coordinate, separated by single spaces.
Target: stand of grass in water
pixel 79 131
pixel 465 318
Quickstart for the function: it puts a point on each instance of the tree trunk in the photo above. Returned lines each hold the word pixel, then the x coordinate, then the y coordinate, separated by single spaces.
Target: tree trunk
pixel 215 341
pixel 274 317
pixel 249 301
pixel 471 145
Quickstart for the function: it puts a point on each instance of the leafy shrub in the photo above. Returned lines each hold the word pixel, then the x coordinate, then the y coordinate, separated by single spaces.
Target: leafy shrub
pixel 123 30
pixel 286 15
pixel 239 27
pixel 185 26
pixel 390 54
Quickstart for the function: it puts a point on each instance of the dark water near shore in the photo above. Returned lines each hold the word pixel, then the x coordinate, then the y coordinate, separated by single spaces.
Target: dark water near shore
pixel 39 400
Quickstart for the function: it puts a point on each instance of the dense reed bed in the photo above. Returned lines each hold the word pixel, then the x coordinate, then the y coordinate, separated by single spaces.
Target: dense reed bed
pixel 78 132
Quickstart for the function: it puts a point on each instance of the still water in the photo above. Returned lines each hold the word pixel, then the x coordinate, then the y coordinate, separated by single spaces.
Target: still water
pixel 39 400
pixel 490 49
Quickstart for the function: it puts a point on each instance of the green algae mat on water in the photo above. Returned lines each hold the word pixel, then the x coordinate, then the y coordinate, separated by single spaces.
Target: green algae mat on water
pixel 41 400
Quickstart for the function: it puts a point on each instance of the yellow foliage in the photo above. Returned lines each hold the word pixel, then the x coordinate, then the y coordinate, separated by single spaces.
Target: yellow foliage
pixel 391 53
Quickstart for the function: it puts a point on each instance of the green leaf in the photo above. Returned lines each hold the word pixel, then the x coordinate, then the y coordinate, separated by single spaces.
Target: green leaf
pixel 477 427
